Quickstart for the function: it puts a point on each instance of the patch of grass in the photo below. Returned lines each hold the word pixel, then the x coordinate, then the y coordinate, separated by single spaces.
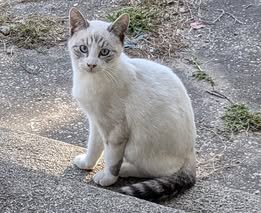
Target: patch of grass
pixel 163 22
pixel 140 18
pixel 34 31
pixel 238 118
pixel 201 75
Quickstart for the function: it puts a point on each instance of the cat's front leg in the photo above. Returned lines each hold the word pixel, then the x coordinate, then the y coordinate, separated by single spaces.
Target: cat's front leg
pixel 114 149
pixel 95 147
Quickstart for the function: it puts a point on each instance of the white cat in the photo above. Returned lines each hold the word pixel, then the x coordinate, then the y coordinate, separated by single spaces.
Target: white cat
pixel 139 112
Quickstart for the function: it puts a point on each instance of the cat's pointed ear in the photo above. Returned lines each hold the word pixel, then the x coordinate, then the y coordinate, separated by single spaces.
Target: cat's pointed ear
pixel 120 26
pixel 77 21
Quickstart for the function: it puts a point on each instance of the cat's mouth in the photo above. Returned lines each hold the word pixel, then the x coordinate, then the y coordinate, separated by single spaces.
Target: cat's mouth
pixel 91 71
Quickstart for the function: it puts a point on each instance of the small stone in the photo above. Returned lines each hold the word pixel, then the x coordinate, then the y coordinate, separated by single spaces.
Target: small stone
pixel 166 16
pixel 5 30
pixel 182 10
pixel 10 51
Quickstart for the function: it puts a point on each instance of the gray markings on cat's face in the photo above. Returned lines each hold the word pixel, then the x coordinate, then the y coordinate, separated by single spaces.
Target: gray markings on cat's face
pixel 108 58
pixel 77 51
pixel 115 170
pixel 96 38
pixel 98 42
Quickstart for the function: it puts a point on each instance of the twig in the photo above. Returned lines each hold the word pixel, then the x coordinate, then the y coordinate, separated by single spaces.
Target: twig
pixel 219 17
pixel 250 5
pixel 199 8
pixel 223 12
pixel 29 72
pixel 209 33
pixel 235 18
pixel 196 64
pixel 190 11
pixel 5 49
pixel 219 95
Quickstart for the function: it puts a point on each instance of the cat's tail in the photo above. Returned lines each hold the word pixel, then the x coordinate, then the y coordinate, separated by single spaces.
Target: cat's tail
pixel 161 188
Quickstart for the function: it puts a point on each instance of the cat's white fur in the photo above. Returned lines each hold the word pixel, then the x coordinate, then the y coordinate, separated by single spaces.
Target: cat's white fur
pixel 139 113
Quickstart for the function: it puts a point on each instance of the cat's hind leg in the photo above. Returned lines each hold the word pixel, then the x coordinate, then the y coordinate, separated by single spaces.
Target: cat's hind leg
pixel 129 170
pixel 95 148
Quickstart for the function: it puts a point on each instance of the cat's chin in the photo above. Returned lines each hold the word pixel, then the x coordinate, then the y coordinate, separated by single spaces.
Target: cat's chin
pixel 89 71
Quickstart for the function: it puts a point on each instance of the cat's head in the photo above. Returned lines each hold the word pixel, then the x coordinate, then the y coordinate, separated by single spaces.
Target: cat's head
pixel 95 45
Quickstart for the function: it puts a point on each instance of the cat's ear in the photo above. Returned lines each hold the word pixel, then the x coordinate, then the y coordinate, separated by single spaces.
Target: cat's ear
pixel 120 26
pixel 77 21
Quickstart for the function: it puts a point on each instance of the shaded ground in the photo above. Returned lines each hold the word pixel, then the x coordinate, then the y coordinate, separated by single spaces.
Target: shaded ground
pixel 37 174
pixel 35 87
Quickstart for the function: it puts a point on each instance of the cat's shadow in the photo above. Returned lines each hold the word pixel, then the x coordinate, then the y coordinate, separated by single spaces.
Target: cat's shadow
pixel 75 174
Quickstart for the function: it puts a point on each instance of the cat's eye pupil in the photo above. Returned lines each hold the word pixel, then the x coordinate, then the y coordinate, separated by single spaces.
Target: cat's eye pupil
pixel 104 52
pixel 84 49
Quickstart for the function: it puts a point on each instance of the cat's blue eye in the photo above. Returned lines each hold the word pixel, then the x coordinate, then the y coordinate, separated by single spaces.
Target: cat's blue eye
pixel 83 48
pixel 104 52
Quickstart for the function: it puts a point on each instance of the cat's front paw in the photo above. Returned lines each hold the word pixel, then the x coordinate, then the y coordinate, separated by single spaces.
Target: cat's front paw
pixel 81 162
pixel 104 179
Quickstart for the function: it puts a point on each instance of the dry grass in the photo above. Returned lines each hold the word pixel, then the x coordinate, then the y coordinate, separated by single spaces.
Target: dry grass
pixel 167 20
pixel 208 162
pixel 207 167
pixel 33 31
pixel 237 118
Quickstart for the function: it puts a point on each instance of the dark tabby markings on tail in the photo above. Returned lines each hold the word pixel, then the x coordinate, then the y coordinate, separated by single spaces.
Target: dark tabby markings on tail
pixel 161 188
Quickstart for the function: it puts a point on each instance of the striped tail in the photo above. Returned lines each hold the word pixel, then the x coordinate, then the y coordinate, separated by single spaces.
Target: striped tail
pixel 161 188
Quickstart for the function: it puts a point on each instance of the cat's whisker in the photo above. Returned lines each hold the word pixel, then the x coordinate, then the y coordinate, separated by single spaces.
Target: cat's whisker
pixel 112 77
pixel 108 77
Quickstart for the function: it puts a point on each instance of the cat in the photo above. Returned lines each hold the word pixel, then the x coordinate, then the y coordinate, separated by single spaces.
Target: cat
pixel 139 112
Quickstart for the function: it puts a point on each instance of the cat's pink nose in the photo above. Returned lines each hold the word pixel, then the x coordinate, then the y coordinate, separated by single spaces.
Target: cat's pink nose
pixel 92 65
